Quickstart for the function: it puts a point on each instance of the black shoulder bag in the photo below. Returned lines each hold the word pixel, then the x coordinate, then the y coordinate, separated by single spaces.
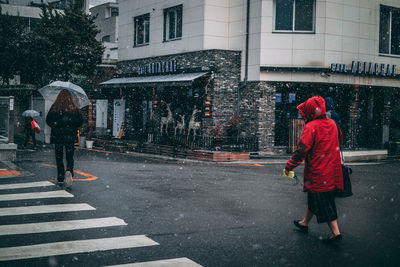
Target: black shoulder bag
pixel 347 171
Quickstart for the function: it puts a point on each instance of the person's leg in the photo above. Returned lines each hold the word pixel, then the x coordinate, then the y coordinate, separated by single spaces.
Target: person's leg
pixel 69 151
pixel 34 139
pixel 307 218
pixel 59 149
pixel 333 225
pixel 26 139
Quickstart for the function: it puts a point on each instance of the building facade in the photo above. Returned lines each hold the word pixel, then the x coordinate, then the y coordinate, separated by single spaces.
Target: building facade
pixel 254 61
pixel 106 20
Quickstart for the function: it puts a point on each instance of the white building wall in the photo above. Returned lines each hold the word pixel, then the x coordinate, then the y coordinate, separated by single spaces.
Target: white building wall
pixel 345 31
pixel 192 28
pixel 23 11
pixel 207 24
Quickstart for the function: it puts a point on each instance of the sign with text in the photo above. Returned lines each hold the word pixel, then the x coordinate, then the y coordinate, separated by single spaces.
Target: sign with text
pixel 366 68
pixel 119 116
pixel 158 67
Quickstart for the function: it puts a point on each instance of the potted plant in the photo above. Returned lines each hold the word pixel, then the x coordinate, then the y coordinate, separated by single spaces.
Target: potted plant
pixel 89 141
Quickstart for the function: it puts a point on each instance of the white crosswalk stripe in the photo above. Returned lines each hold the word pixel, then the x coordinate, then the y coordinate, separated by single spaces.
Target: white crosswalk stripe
pixel 71 247
pixel 68 247
pixel 44 209
pixel 26 185
pixel 178 262
pixel 37 195
pixel 30 228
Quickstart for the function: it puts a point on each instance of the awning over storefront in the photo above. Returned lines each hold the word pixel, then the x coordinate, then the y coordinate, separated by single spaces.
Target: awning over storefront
pixel 181 79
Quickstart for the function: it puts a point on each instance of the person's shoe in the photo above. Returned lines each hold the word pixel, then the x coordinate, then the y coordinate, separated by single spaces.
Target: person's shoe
pixel 333 240
pixel 68 178
pixel 300 227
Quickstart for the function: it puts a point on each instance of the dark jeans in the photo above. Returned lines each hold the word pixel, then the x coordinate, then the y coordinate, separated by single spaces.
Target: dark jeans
pixel 30 134
pixel 69 155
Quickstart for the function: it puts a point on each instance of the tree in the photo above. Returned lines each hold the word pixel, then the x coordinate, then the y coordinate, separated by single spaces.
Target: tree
pixel 11 36
pixel 63 46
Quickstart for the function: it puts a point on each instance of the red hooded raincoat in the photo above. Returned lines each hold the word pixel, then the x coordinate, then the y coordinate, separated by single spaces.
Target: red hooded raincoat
pixel 319 146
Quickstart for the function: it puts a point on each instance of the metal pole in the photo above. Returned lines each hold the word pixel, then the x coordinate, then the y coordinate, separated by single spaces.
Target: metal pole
pixel 11 122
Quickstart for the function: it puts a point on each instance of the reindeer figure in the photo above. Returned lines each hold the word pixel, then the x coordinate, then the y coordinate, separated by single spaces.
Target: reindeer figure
pixel 166 120
pixel 180 125
pixel 193 125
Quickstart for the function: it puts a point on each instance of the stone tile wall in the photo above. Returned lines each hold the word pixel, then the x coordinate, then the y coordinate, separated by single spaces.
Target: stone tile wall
pixel 223 88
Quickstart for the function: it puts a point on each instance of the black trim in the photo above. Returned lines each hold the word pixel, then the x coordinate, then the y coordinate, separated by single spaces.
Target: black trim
pixel 294 69
pixel 321 70
pixel 178 71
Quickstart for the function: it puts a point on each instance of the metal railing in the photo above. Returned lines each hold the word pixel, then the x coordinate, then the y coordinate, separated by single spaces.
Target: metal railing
pixel 203 142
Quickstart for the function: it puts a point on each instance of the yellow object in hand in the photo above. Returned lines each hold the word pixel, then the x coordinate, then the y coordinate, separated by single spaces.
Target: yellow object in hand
pixel 291 174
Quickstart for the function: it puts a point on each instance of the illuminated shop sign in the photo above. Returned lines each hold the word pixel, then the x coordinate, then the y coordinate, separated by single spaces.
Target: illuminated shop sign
pixel 366 68
pixel 158 67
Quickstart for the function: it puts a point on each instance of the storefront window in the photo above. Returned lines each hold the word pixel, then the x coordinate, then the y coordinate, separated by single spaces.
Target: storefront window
pixel 389 30
pixel 294 15
pixel 173 23
pixel 142 30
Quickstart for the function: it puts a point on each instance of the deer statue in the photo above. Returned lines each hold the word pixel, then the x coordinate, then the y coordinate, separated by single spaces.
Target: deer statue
pixel 166 120
pixel 193 124
pixel 180 125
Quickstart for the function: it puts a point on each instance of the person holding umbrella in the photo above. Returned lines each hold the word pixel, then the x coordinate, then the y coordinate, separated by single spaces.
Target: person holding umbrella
pixel 319 147
pixel 29 123
pixel 29 132
pixel 64 118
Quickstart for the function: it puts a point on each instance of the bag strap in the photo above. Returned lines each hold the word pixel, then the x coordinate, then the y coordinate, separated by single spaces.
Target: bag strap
pixel 340 145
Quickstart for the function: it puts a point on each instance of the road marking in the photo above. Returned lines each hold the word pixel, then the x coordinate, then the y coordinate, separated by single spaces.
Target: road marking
pixel 178 262
pixel 72 247
pixel 9 173
pixel 44 209
pixel 89 176
pixel 51 194
pixel 54 226
pixel 25 185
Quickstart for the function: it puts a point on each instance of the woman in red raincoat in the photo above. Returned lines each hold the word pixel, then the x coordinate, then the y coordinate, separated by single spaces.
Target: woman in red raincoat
pixel 319 147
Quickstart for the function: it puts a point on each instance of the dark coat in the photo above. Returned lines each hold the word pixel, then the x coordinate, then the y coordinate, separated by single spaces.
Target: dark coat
pixel 28 126
pixel 319 146
pixel 332 114
pixel 64 126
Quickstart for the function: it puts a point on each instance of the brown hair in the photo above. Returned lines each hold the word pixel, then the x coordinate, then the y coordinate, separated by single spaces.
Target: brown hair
pixel 65 102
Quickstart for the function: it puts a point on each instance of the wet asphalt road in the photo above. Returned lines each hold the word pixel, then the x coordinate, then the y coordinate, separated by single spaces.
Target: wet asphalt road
pixel 213 214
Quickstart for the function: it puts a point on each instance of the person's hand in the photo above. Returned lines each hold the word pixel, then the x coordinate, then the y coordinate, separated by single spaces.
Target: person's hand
pixel 286 172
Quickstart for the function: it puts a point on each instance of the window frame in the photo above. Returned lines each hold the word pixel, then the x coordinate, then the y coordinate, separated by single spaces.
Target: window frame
pixel 106 37
pixel 136 32
pixel 166 32
pixel 274 30
pixel 390 9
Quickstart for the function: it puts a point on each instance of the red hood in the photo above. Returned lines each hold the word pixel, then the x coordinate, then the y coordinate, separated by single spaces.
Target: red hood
pixel 313 108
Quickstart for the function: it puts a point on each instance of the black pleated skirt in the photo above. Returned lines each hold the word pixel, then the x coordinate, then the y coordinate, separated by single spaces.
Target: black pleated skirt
pixel 323 206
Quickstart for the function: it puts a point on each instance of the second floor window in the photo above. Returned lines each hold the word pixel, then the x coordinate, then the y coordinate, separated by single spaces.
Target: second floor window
pixel 142 30
pixel 105 38
pixel 389 30
pixel 173 23
pixel 294 15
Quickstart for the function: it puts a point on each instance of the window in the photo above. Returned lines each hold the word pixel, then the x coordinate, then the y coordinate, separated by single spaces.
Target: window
pixel 105 38
pixel 142 30
pixel 173 23
pixel 389 30
pixel 294 15
pixel 114 12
